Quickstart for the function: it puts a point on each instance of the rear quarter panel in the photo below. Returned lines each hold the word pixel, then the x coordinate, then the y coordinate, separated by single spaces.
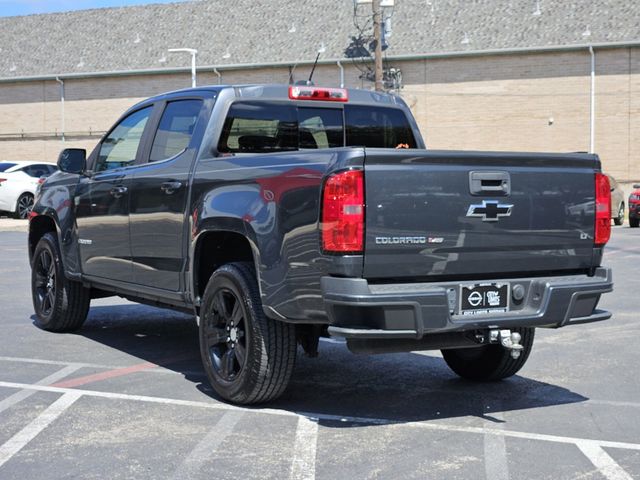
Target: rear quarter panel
pixel 274 201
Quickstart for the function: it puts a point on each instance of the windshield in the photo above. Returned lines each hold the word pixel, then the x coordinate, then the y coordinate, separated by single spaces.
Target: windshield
pixel 4 166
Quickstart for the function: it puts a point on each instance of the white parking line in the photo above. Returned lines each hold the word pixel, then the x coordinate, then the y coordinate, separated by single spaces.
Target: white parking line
pixel 303 465
pixel 495 449
pixel 28 433
pixel 204 450
pixel 603 461
pixel 609 463
pixel 24 394
pixel 334 418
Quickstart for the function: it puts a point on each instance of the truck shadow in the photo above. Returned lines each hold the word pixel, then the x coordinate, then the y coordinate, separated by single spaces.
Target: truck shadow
pixel 395 388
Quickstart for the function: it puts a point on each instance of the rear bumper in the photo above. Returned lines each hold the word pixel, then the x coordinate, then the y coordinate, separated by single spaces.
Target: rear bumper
pixel 358 309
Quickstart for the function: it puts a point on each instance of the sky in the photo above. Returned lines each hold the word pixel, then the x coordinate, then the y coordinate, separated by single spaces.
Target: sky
pixel 10 8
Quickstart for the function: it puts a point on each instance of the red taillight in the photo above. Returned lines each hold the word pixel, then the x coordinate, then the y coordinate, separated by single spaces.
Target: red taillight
pixel 3 180
pixel 343 213
pixel 301 92
pixel 603 210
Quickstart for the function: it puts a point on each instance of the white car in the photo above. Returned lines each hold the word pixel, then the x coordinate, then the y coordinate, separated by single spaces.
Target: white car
pixel 18 184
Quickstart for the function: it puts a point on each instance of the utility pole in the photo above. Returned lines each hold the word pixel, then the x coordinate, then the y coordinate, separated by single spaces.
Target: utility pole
pixel 377 36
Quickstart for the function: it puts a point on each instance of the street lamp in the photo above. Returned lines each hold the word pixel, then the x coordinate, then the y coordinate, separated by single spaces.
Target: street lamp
pixel 193 53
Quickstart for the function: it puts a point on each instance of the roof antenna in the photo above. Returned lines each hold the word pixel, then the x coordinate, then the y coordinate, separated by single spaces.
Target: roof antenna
pixel 313 69
pixel 321 50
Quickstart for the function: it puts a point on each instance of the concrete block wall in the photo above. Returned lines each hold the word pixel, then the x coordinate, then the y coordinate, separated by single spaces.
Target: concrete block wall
pixel 533 102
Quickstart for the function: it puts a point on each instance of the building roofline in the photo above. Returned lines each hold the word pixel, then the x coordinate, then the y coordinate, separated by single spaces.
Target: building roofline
pixel 248 66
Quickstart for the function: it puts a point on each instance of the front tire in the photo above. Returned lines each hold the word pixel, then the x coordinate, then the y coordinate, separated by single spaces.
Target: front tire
pixel 619 219
pixel 490 362
pixel 24 205
pixel 60 305
pixel 248 357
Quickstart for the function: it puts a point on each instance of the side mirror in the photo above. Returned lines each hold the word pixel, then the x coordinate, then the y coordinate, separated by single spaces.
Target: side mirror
pixel 636 185
pixel 73 160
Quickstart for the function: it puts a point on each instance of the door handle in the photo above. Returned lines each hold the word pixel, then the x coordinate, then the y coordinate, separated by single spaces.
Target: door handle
pixel 170 187
pixel 117 192
pixel 490 183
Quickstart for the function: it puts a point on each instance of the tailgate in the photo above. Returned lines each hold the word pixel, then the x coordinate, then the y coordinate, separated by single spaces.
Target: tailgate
pixel 477 214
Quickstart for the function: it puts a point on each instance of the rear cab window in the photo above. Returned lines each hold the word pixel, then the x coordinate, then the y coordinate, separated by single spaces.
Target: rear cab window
pixel 268 127
pixel 377 127
pixel 259 127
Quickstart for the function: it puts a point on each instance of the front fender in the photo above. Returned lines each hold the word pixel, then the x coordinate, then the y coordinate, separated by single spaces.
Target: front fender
pixel 55 202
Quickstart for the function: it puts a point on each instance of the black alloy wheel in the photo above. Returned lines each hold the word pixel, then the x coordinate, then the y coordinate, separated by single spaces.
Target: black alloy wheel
pixel 61 305
pixel 226 335
pixel 24 206
pixel 247 356
pixel 44 270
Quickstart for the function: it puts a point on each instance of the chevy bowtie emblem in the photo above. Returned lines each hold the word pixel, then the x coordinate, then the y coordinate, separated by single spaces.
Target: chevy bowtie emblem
pixel 489 211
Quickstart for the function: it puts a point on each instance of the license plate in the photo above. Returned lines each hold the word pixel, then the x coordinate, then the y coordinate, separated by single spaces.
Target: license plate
pixel 484 298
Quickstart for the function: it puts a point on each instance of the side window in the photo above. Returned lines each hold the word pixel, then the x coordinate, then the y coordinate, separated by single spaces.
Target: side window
pixel 320 128
pixel 36 171
pixel 259 127
pixel 28 170
pixel 175 129
pixel 40 170
pixel 121 145
pixel 377 127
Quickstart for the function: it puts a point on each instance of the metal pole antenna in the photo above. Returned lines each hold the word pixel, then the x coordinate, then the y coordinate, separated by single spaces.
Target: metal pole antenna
pixel 377 21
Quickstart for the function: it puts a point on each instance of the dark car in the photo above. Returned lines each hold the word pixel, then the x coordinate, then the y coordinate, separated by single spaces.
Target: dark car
pixel 634 207
pixel 617 201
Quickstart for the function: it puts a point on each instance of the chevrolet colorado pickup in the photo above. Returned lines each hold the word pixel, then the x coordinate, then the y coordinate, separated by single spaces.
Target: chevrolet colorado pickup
pixel 281 214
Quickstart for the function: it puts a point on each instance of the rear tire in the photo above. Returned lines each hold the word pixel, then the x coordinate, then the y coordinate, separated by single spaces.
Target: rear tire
pixel 619 219
pixel 490 362
pixel 633 222
pixel 248 357
pixel 60 305
pixel 24 205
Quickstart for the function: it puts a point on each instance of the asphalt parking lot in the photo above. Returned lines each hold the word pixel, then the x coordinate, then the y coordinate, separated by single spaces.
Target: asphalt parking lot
pixel 126 397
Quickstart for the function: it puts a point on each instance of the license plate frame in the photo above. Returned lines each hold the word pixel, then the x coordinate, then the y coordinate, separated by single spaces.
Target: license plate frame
pixel 484 298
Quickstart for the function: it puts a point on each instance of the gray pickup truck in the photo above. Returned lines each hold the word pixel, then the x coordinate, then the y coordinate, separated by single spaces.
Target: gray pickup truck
pixel 281 214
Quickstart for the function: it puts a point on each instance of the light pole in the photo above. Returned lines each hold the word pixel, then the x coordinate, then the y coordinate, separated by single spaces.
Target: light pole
pixel 193 53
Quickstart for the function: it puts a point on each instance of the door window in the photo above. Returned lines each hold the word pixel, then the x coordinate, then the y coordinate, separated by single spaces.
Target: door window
pixel 175 129
pixel 120 147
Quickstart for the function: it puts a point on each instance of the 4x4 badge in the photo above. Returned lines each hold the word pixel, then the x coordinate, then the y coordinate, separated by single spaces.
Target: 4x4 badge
pixel 489 211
